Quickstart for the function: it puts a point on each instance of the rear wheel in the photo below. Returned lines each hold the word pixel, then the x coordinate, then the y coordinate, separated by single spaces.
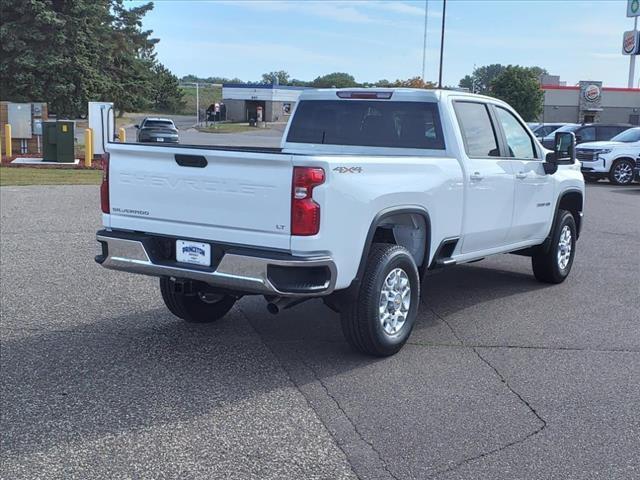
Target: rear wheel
pixel 621 172
pixel 380 319
pixel 202 304
pixel 554 265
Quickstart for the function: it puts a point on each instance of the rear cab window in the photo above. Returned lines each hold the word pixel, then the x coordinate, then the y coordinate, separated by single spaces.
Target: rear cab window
pixel 375 123
pixel 158 123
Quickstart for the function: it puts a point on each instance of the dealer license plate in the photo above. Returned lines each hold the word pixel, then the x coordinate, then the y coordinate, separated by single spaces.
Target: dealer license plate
pixel 195 253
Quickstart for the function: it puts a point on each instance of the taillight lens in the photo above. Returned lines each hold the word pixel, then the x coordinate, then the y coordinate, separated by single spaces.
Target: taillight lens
pixel 305 213
pixel 104 187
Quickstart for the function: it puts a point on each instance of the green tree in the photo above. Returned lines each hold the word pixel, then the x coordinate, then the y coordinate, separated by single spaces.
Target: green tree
pixel 67 53
pixel 166 94
pixel 480 80
pixel 280 77
pixel 48 52
pixel 131 60
pixel 413 82
pixel 519 87
pixel 337 80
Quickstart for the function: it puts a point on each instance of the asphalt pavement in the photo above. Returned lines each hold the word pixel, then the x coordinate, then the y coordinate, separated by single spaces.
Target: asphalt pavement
pixel 503 377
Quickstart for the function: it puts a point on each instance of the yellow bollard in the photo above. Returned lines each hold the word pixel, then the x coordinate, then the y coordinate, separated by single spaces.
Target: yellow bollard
pixel 7 140
pixel 88 147
pixel 122 135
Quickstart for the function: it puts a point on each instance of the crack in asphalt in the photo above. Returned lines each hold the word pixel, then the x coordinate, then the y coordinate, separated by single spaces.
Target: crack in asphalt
pixel 524 347
pixel 543 422
pixel 297 387
pixel 353 425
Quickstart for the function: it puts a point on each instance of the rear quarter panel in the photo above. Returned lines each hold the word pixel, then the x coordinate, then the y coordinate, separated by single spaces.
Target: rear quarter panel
pixel 357 188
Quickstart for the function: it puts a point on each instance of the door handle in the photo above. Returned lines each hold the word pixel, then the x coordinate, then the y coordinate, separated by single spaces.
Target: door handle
pixel 521 175
pixel 476 177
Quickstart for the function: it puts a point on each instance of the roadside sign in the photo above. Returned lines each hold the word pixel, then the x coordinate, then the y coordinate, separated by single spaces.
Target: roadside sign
pixel 631 42
pixel 633 8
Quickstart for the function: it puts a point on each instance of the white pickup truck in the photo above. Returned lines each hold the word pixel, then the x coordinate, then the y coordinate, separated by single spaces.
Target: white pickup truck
pixel 370 190
pixel 614 159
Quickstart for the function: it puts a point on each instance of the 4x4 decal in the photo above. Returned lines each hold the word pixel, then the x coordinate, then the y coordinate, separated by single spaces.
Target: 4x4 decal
pixel 348 169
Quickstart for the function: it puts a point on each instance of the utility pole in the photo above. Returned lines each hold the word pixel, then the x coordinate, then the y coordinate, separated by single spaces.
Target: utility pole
pixel 632 58
pixel 424 43
pixel 444 12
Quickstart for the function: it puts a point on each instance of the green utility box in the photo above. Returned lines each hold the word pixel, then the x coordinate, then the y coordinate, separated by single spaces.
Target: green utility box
pixel 58 141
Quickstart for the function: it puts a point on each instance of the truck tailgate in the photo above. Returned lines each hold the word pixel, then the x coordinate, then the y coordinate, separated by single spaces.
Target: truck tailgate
pixel 238 197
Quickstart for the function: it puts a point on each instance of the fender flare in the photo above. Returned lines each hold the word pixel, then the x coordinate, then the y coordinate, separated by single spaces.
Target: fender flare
pixel 377 220
pixel 547 242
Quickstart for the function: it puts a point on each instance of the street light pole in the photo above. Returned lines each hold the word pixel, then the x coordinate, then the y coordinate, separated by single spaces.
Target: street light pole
pixel 444 12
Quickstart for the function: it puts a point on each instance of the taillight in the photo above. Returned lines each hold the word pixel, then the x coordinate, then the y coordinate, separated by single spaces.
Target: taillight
pixel 305 213
pixel 104 187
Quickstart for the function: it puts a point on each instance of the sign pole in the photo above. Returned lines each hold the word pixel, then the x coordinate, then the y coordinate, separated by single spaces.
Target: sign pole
pixel 632 58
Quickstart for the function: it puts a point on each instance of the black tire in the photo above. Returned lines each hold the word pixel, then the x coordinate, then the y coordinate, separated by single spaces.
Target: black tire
pixel 590 179
pixel 547 266
pixel 192 307
pixel 361 323
pixel 619 166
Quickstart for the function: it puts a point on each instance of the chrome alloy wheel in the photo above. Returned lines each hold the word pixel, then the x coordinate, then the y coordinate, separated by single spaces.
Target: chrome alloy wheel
pixel 564 247
pixel 395 300
pixel 623 173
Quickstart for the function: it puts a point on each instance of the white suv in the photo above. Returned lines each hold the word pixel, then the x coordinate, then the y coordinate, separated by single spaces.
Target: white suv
pixel 614 159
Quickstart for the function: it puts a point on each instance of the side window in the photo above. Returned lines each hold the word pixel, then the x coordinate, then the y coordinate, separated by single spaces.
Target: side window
pixel 587 134
pixel 519 142
pixel 607 133
pixel 477 130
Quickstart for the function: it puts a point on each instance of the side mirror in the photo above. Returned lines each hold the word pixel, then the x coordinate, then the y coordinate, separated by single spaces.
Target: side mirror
pixel 564 152
pixel 137 126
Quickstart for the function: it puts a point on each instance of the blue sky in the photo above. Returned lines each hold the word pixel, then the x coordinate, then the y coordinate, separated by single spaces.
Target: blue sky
pixel 578 40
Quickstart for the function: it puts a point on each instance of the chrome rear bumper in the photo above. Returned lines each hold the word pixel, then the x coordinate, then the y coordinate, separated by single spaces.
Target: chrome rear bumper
pixel 242 273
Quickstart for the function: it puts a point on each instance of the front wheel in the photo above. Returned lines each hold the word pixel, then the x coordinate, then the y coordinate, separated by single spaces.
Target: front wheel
pixel 380 319
pixel 621 172
pixel 554 265
pixel 201 305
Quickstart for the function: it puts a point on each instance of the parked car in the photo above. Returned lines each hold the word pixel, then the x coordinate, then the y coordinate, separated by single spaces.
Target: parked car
pixel 370 190
pixel 589 132
pixel 615 159
pixel 161 130
pixel 541 130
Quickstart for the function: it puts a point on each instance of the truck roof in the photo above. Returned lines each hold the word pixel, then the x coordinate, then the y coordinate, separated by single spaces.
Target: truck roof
pixel 396 93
